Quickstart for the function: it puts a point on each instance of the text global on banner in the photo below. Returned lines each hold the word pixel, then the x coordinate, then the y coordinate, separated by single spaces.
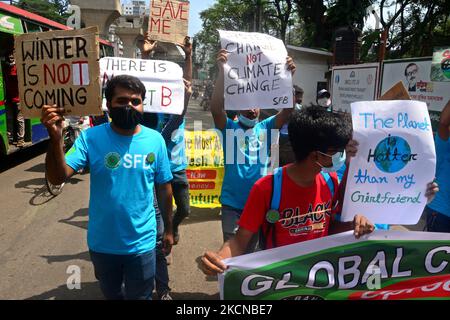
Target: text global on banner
pixel 387 265
pixel 205 168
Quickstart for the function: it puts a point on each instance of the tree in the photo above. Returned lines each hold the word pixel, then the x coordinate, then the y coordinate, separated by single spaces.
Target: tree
pixel 283 15
pixel 348 13
pixel 54 10
pixel 415 27
pixel 223 15
pixel 238 15
pixel 312 13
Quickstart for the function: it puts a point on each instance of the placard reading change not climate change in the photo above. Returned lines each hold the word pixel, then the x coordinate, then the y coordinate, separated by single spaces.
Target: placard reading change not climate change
pixel 396 159
pixel 256 75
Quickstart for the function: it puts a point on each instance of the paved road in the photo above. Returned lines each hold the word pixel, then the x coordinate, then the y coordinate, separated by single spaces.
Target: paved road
pixel 41 236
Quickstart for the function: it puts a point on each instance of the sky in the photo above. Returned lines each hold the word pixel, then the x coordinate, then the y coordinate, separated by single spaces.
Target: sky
pixel 195 23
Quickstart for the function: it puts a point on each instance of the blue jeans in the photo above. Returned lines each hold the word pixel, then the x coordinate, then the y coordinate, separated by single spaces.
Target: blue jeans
pixel 436 221
pixel 162 273
pixel 135 271
pixel 230 218
pixel 180 190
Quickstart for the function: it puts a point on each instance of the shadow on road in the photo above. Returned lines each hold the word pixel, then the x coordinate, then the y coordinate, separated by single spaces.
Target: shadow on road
pixel 38 189
pixel 77 214
pixel 91 291
pixel 88 291
pixel 198 215
pixel 193 296
pixel 64 258
pixel 22 156
pixel 37 168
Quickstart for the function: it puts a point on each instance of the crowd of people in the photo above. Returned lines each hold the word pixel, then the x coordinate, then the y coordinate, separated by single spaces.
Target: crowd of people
pixel 138 165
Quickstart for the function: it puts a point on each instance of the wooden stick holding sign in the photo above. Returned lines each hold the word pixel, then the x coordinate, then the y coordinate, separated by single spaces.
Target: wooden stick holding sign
pixel 59 67
pixel 169 20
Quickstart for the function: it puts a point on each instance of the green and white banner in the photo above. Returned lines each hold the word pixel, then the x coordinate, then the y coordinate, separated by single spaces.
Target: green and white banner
pixel 387 265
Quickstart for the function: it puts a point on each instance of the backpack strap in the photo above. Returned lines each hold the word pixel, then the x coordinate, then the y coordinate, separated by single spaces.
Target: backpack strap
pixel 277 182
pixel 327 177
pixel 329 182
pixel 276 189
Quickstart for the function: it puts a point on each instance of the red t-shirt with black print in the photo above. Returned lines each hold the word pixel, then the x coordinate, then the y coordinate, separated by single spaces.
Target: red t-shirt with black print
pixel 305 213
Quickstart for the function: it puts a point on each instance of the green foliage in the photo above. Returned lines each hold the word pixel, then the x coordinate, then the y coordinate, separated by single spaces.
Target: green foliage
pixel 348 13
pixel 54 10
pixel 272 17
pixel 415 26
pixel 419 28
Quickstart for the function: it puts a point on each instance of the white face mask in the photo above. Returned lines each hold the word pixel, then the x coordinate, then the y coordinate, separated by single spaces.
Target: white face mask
pixel 324 102
pixel 338 160
pixel 247 122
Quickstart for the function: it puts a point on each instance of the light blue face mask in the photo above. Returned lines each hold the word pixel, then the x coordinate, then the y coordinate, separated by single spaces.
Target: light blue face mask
pixel 298 106
pixel 338 160
pixel 250 123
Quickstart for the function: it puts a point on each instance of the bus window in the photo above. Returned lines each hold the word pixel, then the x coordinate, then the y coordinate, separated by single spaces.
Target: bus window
pixel 102 51
pixel 31 27
pixel 106 51
pixel 109 51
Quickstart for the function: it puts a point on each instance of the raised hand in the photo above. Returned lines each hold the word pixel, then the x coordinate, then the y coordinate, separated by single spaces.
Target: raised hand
pixel 148 46
pixel 291 65
pixel 52 118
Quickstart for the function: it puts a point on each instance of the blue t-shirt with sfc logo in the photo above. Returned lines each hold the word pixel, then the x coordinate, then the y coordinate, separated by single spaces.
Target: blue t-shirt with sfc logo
pixel 247 155
pixel 123 172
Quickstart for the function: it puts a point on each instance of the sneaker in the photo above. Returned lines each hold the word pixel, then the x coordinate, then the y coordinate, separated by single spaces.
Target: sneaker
pixel 165 296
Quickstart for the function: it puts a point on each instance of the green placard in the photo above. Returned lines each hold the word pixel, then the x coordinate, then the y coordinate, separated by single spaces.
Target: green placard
pixel 10 24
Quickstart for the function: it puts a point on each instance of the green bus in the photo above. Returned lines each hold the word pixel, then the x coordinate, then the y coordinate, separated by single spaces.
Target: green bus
pixel 15 21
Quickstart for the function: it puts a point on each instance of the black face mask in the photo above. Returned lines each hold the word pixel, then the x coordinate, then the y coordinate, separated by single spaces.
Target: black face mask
pixel 126 118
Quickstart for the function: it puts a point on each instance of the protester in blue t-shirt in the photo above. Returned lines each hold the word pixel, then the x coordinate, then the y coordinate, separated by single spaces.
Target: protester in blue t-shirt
pixel 438 211
pixel 246 144
pixel 172 129
pixel 286 154
pixel 124 168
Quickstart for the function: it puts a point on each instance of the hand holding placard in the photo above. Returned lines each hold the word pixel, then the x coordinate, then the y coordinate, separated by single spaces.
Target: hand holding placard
pixel 169 20
pixel 386 181
pixel 254 71
pixel 59 68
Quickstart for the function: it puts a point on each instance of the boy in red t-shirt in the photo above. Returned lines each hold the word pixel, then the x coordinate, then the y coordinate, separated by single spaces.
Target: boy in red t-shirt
pixel 299 202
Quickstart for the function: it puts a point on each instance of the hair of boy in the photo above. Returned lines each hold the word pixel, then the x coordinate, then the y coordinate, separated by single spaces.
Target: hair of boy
pixel 315 129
